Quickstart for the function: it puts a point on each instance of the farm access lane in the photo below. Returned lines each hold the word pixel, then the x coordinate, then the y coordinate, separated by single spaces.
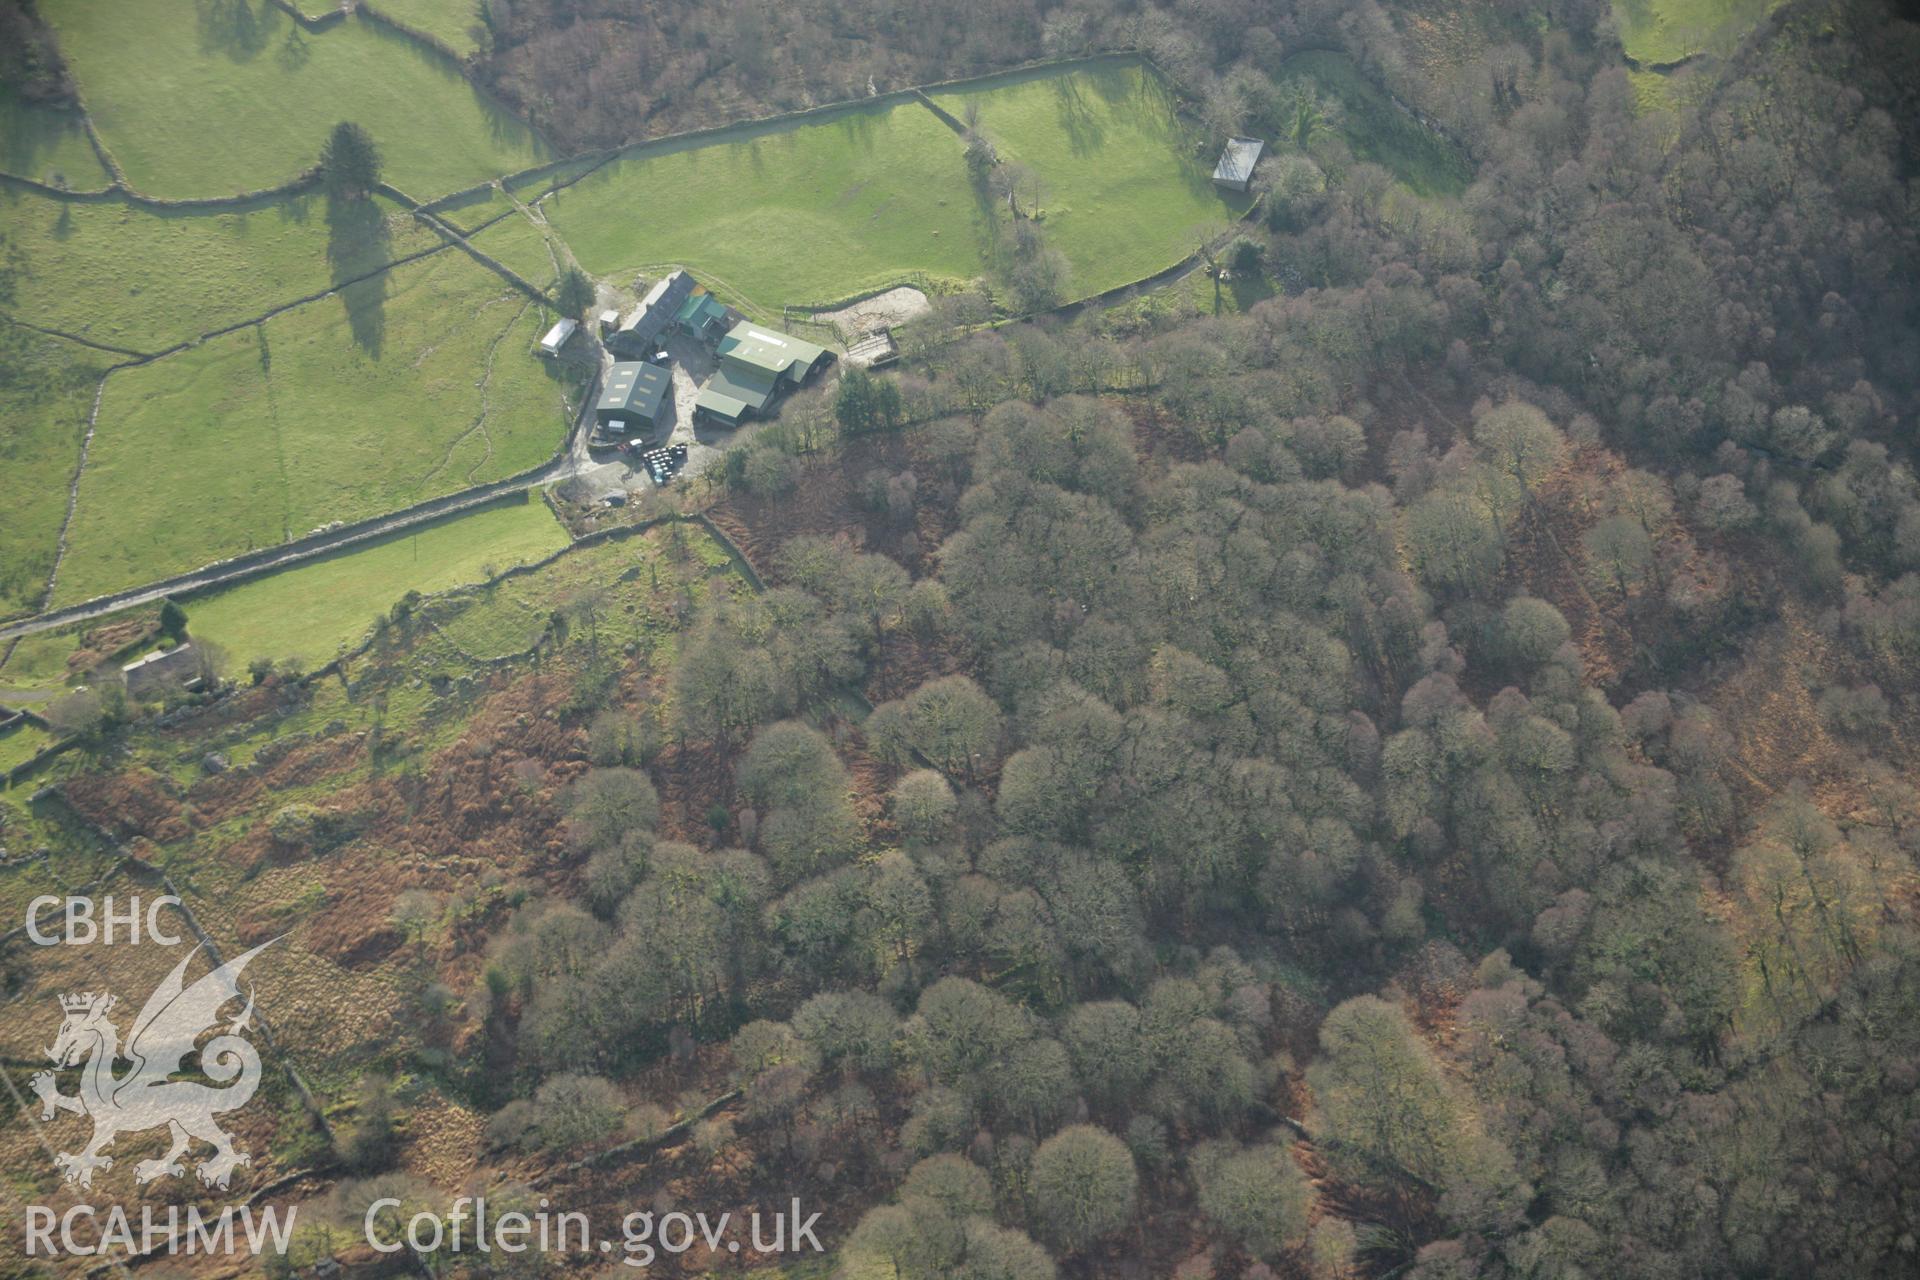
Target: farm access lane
pixel 573 461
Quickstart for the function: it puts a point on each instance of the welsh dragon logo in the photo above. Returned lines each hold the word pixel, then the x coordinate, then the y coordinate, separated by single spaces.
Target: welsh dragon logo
pixel 147 1096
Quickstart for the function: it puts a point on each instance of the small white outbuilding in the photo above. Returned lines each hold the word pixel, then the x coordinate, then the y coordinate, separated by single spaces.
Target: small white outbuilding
pixel 557 337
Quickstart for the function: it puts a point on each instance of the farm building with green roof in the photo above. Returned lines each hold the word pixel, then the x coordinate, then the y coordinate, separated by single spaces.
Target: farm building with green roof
pixel 756 366
pixel 779 354
pixel 704 316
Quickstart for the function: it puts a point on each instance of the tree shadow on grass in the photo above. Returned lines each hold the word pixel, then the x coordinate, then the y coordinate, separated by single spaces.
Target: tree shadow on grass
pixel 295 52
pixel 1086 131
pixel 862 126
pixel 504 128
pixel 1250 289
pixel 988 215
pixel 358 245
pixel 30 139
pixel 233 27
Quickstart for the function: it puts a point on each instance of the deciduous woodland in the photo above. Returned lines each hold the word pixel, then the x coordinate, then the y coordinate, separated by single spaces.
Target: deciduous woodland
pixel 1390 754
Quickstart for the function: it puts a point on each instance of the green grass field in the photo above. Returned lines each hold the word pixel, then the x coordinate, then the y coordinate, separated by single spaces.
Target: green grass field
pixel 821 210
pixel 417 381
pixel 20 743
pixel 633 580
pixel 308 613
pixel 207 100
pixel 1671 91
pixel 533 187
pixel 521 246
pixel 47 144
pixel 78 855
pixel 449 21
pixel 777 214
pixel 1375 130
pixel 417 384
pixel 39 660
pixel 46 389
pixel 1663 32
pixel 1123 192
pixel 472 212
pixel 128 277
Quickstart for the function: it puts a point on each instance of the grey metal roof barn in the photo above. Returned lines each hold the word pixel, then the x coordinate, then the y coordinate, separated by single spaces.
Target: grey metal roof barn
pixel 1235 170
pixel 650 319
pixel 634 392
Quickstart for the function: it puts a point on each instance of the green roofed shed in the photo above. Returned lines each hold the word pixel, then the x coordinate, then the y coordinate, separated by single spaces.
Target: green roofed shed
pixel 704 316
pixel 756 365
pixel 750 385
pixel 780 354
pixel 719 404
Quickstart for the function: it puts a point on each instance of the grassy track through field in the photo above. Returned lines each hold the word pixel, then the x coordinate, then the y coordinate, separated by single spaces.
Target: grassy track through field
pixel 364 402
pixel 521 247
pixel 208 100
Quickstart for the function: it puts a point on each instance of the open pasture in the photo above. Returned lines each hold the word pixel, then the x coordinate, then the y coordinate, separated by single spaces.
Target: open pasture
pixel 452 22
pixel 125 276
pixel 618 591
pixel 46 389
pixel 476 209
pixel 208 99
pixel 416 384
pixel 520 246
pixel 46 143
pixel 823 209
pixel 1662 33
pixel 788 213
pixel 20 743
pixel 309 612
pixel 1122 190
